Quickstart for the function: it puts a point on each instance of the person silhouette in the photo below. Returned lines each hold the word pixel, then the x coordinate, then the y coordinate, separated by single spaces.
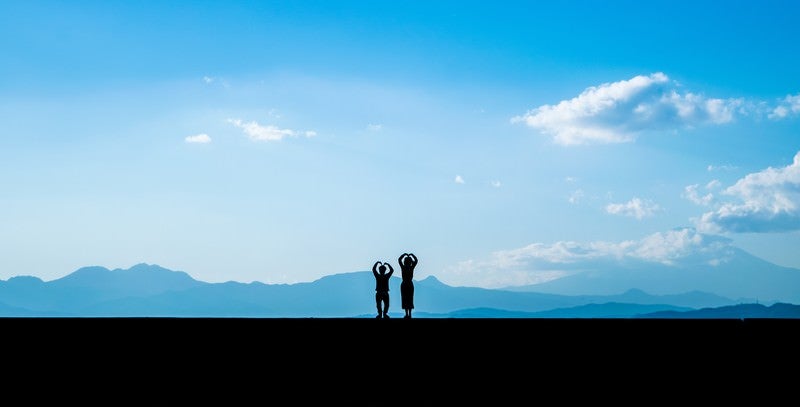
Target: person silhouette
pixel 382 287
pixel 407 263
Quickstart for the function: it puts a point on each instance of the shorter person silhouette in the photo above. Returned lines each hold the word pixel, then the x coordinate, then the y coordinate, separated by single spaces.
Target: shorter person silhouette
pixel 382 287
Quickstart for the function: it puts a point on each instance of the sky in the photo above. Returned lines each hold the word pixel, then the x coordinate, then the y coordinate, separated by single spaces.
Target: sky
pixel 284 141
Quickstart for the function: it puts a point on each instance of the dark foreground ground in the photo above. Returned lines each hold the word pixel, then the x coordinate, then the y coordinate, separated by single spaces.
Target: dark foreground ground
pixel 451 339
pixel 455 357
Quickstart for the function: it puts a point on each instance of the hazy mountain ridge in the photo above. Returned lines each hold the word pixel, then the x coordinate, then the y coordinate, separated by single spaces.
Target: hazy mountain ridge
pixel 151 290
pixel 777 310
pixel 740 275
pixel 602 310
pixel 91 285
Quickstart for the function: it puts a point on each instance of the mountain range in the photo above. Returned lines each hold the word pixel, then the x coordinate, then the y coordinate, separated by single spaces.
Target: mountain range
pixel 154 291
pixel 725 270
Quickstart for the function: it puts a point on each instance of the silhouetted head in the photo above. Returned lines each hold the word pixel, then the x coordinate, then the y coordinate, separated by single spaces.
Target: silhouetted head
pixel 407 261
pixel 382 269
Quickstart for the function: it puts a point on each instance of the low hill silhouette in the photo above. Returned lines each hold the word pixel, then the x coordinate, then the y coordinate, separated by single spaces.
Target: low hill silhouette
pixel 739 311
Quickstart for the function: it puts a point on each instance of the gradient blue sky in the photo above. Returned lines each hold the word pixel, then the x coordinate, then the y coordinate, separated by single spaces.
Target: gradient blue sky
pixel 285 141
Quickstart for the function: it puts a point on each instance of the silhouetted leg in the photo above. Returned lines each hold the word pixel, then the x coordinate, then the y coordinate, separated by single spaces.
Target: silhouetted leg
pixel 378 304
pixel 386 307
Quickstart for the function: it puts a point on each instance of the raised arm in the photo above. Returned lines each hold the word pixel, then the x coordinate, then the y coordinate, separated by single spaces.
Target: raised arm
pixel 400 259
pixel 375 268
pixel 413 259
pixel 391 270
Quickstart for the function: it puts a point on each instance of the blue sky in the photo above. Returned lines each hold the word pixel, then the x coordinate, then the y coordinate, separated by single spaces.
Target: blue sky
pixel 284 141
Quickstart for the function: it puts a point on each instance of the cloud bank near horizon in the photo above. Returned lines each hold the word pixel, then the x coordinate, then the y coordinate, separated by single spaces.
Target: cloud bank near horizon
pixel 540 262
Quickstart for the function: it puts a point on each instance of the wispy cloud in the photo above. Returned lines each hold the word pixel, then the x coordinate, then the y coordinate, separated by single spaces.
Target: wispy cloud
pixel 764 201
pixel 257 132
pixel 495 183
pixel 789 106
pixel 374 127
pixel 576 196
pixel 723 167
pixel 208 79
pixel 459 179
pixel 619 111
pixel 692 193
pixel 540 262
pixel 198 139
pixel 636 208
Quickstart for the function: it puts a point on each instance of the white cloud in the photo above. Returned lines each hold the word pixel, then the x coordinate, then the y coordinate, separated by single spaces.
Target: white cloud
pixel 208 79
pixel 636 208
pixel 676 244
pixel 779 113
pixel 723 167
pixel 540 262
pixel 496 184
pixel 764 201
pixel 691 193
pixel 488 274
pixel 618 112
pixel 789 106
pixel 459 179
pixel 198 138
pixel 257 132
pixel 374 127
pixel 576 196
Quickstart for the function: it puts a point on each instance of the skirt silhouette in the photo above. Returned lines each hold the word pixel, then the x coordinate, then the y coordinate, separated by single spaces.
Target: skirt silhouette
pixel 407 294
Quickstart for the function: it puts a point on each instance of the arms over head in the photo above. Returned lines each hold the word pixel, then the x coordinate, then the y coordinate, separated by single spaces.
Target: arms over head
pixel 408 260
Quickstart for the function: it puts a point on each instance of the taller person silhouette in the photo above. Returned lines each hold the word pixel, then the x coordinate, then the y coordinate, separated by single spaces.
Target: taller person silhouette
pixel 382 287
pixel 407 263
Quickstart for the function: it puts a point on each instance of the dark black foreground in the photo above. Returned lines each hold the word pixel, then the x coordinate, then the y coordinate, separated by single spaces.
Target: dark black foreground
pixel 373 339
pixel 451 359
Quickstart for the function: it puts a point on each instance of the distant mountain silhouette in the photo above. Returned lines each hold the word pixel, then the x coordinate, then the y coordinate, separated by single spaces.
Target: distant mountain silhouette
pixel 691 299
pixel 741 276
pixel 141 279
pixel 605 310
pixel 150 290
pixel 9 311
pixel 777 310
pixel 91 285
pixel 622 310
pixel 608 310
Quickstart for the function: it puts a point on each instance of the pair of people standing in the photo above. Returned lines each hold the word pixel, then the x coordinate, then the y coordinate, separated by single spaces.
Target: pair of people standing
pixel 407 261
